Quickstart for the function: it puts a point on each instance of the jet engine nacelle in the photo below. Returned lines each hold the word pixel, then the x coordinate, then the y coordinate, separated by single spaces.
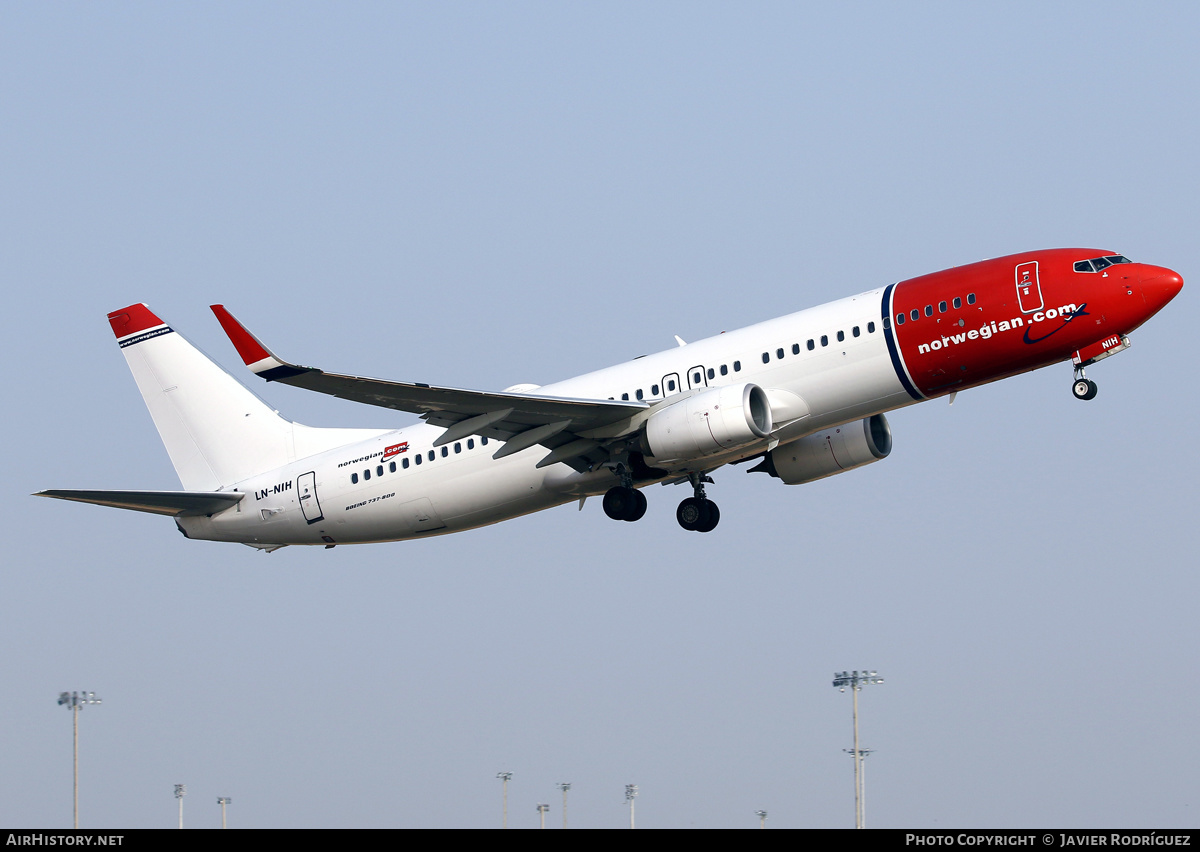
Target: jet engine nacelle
pixel 830 451
pixel 708 423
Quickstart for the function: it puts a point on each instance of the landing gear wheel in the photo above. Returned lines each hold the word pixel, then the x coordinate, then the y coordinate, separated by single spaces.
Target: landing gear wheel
pixel 1084 389
pixel 698 515
pixel 624 504
pixel 639 508
pixel 713 517
pixel 690 513
pixel 619 502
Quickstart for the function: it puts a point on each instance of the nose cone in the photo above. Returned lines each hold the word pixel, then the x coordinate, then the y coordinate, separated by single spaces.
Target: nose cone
pixel 1159 286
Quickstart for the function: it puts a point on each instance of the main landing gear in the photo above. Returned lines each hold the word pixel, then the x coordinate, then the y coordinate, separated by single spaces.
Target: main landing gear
pixel 625 503
pixel 1084 388
pixel 698 513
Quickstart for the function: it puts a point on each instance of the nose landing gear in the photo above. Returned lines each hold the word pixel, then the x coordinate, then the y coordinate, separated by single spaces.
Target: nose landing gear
pixel 1084 388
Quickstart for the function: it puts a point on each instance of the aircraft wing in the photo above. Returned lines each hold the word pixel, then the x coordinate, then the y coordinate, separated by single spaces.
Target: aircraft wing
pixel 520 420
pixel 158 502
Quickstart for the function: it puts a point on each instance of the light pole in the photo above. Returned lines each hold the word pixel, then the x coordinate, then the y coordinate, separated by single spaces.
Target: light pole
pixel 542 808
pixel 762 818
pixel 856 680
pixel 564 786
pixel 223 801
pixel 75 701
pixel 180 792
pixel 631 792
pixel 504 777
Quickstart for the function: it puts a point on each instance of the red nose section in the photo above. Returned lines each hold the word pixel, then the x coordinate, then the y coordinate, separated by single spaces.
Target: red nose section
pixel 1159 286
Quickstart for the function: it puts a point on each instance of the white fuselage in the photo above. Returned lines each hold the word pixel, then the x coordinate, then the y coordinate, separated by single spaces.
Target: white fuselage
pixel 364 492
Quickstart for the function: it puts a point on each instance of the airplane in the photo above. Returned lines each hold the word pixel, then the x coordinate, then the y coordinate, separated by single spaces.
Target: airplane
pixel 804 394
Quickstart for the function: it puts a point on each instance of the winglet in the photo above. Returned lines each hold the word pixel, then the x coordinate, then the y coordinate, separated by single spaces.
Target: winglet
pixel 256 356
pixel 132 320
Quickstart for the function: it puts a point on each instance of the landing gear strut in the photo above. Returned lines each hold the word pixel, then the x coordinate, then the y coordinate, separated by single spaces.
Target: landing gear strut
pixel 1084 388
pixel 698 513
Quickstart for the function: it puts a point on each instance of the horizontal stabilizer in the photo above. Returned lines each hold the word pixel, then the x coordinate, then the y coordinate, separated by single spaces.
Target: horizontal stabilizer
pixel 159 502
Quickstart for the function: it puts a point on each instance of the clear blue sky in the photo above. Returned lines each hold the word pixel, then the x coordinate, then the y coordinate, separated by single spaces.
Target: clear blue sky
pixel 484 194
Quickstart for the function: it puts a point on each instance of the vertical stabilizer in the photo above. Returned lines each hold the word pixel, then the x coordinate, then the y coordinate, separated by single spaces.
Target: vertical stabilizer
pixel 216 432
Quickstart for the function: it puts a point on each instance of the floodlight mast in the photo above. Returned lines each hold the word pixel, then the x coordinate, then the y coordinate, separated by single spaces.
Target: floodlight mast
pixel 542 808
pixel 856 680
pixel 564 786
pixel 75 701
pixel 223 801
pixel 631 792
pixel 180 792
pixel 762 818
pixel 504 777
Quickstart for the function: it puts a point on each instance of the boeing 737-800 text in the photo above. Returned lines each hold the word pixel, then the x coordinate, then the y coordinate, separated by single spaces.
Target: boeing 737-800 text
pixel 804 393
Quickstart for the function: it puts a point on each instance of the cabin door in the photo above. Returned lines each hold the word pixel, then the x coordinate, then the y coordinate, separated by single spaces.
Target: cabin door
pixel 1029 289
pixel 306 487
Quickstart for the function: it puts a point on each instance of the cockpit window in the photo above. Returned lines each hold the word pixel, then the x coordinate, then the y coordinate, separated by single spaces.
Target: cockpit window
pixel 1098 263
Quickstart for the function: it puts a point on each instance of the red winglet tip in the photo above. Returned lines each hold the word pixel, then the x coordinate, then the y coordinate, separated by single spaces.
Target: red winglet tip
pixel 243 341
pixel 133 319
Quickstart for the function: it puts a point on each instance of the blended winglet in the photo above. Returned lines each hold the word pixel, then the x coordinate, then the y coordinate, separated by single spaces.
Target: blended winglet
pixel 256 356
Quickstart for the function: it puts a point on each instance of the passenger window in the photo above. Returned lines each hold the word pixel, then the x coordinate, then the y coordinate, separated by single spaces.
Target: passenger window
pixel 841 336
pixel 824 339
pixel 470 443
pixel 812 344
pixel 957 302
pixel 671 385
pixel 970 298
pixel 404 463
pixel 941 307
pixel 432 455
pixel 653 390
pixel 737 366
pixel 697 378
pixel 419 458
pixel 871 327
pixel 779 353
pixel 724 370
pixel 445 451
pixel 766 357
pixel 457 447
pixel 929 310
pixel 354 479
pixel 625 397
pixel 887 323
pixel 712 374
pixel 855 331
pixel 915 314
pixel 379 470
pixel 483 442
pixel 899 319
pixel 391 467
pixel 366 474
pixel 639 393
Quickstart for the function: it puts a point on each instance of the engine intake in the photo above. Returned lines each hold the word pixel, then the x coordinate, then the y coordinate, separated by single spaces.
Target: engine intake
pixel 829 451
pixel 709 423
